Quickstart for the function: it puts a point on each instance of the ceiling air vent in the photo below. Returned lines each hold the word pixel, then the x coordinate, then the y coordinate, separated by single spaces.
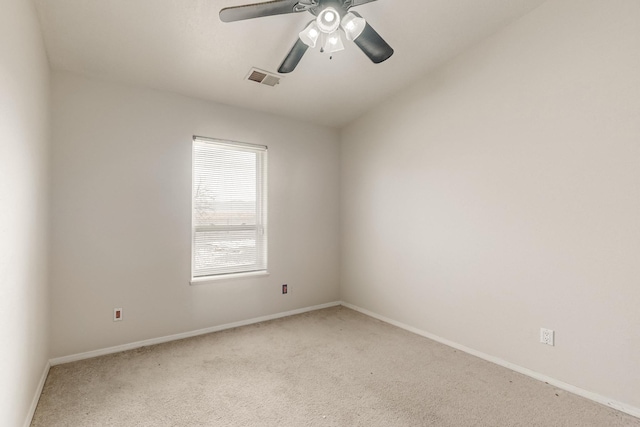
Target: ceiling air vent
pixel 263 77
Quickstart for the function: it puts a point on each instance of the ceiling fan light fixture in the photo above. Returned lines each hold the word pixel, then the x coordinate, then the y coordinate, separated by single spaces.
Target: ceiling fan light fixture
pixel 353 26
pixel 309 35
pixel 328 20
pixel 330 16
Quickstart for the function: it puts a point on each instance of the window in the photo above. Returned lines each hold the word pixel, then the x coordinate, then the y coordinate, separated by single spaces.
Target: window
pixel 229 233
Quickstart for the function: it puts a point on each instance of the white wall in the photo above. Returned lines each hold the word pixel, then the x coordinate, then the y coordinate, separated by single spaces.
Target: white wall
pixel 24 209
pixel 121 219
pixel 502 194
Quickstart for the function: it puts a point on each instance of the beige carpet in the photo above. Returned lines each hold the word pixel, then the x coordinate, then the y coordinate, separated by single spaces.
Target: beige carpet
pixel 332 367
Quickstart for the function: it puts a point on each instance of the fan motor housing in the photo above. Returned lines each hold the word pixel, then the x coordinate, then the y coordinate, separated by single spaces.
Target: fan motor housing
pixel 341 6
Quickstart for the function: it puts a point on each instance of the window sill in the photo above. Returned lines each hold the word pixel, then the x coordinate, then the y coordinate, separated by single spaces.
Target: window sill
pixel 232 276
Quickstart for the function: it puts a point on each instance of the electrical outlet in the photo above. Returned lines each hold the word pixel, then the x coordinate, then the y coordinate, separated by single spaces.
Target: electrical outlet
pixel 285 289
pixel 546 336
pixel 117 314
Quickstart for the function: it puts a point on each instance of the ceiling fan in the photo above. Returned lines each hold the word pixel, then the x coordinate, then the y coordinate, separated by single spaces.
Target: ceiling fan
pixel 332 16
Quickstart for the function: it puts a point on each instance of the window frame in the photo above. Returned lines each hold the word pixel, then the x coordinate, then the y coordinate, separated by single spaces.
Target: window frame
pixel 260 267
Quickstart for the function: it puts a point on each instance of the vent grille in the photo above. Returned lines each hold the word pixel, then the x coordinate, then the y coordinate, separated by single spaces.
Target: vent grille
pixel 263 77
pixel 271 80
pixel 257 76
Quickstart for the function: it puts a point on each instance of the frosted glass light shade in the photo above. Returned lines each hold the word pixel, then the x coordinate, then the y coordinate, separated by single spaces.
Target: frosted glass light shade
pixel 353 26
pixel 333 43
pixel 309 35
pixel 328 20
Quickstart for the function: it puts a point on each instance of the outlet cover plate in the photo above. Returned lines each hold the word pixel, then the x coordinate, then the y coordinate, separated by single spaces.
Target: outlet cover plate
pixel 547 336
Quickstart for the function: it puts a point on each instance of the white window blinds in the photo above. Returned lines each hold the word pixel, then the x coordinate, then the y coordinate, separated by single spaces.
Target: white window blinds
pixel 229 208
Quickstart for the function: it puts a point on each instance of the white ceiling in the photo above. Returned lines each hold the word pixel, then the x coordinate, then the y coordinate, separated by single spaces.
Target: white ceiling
pixel 182 46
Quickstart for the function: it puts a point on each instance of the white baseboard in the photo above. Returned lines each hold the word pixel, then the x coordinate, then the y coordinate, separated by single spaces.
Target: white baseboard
pixel 160 340
pixel 36 396
pixel 623 407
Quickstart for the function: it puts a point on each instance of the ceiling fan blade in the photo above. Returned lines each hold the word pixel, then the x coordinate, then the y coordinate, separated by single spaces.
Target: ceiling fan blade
pixel 258 10
pixel 295 55
pixel 359 2
pixel 373 45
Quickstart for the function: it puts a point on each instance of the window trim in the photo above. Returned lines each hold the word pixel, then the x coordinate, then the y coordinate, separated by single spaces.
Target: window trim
pixel 228 276
pixel 261 225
